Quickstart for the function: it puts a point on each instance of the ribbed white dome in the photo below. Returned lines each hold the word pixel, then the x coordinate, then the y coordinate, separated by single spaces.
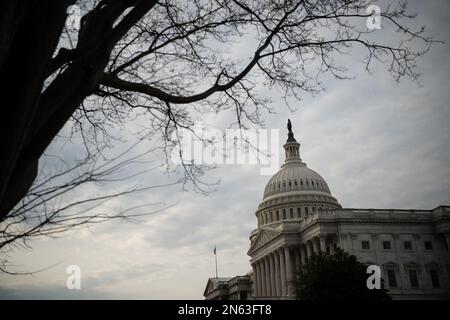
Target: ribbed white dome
pixel 295 177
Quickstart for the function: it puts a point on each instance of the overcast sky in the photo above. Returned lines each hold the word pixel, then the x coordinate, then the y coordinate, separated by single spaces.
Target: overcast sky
pixel 378 144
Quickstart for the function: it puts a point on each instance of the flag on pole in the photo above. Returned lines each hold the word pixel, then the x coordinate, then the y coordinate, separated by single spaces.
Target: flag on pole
pixel 214 250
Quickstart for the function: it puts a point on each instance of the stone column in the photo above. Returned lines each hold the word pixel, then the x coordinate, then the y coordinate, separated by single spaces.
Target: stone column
pixel 261 278
pixel 282 273
pixel 255 277
pixel 308 248
pixel 277 273
pixel 323 245
pixel 298 262
pixel 258 279
pixel 315 243
pixel 333 243
pixel 303 254
pixel 266 278
pixel 273 288
pixel 289 278
pixel 267 274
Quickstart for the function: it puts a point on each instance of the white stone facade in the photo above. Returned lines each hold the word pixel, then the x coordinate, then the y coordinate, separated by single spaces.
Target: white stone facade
pixel 298 217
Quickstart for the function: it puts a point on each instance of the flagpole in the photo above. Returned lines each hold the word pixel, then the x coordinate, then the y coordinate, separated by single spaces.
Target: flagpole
pixel 215 255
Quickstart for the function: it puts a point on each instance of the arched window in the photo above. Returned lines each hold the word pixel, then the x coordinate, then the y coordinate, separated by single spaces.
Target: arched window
pixel 412 270
pixel 391 269
pixel 433 269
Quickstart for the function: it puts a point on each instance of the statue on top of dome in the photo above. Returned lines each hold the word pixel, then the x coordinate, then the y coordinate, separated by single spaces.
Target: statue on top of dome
pixel 290 133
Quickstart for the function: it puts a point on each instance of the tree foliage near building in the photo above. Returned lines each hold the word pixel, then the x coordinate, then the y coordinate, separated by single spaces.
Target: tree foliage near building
pixel 339 276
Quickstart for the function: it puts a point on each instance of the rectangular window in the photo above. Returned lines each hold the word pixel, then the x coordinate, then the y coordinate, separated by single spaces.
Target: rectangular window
pixel 414 282
pixel 386 245
pixel 407 245
pixel 306 211
pixel 435 279
pixel 284 214
pixel 365 245
pixel 428 245
pixel 291 211
pixel 299 213
pixel 392 278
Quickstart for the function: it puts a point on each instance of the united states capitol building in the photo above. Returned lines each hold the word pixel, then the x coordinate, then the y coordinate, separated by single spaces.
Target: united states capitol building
pixel 298 217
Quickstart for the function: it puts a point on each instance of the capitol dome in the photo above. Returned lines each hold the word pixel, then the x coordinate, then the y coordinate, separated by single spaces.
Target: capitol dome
pixel 295 191
pixel 295 177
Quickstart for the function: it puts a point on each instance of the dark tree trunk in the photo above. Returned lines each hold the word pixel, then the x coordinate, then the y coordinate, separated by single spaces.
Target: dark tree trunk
pixel 29 34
